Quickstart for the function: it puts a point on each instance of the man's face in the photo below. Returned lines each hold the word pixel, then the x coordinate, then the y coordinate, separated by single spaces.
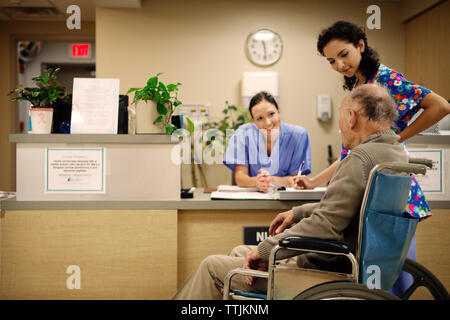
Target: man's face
pixel 345 125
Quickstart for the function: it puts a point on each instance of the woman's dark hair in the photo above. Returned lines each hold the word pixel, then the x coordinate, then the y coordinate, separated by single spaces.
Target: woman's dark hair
pixel 351 33
pixel 260 96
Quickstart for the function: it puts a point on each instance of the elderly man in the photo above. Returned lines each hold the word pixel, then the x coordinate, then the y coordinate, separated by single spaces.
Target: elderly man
pixel 365 118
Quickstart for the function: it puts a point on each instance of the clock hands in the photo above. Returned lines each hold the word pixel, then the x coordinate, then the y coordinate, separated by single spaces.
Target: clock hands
pixel 265 53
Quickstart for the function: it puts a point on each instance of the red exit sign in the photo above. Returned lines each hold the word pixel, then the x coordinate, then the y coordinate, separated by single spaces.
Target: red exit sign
pixel 81 50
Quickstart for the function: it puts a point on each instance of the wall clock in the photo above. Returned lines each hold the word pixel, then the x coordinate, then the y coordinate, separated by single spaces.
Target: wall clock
pixel 264 47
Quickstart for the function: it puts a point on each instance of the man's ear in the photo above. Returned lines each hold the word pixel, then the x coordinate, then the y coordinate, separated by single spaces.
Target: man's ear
pixel 353 118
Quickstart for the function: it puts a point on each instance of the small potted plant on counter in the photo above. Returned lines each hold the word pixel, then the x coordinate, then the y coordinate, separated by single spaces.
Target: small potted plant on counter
pixel 155 104
pixel 41 97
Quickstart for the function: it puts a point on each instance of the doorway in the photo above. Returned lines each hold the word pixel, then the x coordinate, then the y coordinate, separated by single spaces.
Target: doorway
pixel 33 57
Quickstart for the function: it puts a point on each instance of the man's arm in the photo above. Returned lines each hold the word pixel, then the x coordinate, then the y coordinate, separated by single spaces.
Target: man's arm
pixel 286 219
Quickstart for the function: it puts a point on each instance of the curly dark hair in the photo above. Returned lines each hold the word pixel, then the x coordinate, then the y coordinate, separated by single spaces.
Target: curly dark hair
pixel 351 33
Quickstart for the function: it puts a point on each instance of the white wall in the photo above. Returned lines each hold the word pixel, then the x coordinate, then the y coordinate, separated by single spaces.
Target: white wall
pixel 201 44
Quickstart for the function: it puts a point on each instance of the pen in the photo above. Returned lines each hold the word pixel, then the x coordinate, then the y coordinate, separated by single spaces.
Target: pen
pixel 301 168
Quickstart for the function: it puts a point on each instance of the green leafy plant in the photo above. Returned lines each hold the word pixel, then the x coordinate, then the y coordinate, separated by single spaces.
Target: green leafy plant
pixel 233 118
pixel 166 98
pixel 46 92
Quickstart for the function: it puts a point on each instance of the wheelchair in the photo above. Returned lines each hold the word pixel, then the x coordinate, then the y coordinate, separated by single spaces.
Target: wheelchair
pixel 384 237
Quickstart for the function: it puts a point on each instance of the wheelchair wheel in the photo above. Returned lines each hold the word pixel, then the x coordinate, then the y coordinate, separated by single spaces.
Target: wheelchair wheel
pixel 344 290
pixel 423 278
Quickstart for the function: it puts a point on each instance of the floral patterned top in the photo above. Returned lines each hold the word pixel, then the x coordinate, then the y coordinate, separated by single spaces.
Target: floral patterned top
pixel 407 96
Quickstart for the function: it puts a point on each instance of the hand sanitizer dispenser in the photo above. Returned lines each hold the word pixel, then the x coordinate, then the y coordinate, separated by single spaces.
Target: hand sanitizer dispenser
pixel 323 107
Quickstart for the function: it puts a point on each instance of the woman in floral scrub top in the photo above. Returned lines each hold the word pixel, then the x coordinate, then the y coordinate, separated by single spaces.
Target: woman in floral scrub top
pixel 344 45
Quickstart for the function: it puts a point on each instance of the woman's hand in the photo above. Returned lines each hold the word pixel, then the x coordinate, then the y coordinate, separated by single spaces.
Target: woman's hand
pixel 282 221
pixel 303 182
pixel 263 180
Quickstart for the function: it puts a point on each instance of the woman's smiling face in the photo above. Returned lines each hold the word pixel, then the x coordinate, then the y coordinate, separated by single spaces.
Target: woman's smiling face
pixel 266 115
pixel 343 56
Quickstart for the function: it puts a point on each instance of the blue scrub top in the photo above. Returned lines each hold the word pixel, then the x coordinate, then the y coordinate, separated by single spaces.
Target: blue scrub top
pixel 247 147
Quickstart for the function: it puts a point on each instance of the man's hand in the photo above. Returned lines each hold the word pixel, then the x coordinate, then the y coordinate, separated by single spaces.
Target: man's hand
pixel 253 261
pixel 282 221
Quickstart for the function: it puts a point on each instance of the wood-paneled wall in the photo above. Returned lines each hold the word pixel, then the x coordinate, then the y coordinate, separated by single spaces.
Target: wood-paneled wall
pixel 427 49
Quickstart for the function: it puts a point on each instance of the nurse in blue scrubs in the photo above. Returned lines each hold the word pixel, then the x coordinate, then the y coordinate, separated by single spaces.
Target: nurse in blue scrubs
pixel 267 152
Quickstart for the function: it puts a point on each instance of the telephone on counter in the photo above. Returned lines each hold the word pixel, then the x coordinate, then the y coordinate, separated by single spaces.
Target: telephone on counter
pixel 187 193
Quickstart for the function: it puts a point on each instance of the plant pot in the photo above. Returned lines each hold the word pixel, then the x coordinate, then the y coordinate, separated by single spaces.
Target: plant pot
pixel 146 113
pixel 41 120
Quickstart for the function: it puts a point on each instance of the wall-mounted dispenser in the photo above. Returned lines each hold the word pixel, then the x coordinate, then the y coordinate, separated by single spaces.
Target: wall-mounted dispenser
pixel 323 107
pixel 254 82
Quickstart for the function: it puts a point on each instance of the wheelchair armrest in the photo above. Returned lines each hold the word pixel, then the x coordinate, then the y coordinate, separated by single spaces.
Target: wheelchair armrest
pixel 314 244
pixel 426 162
pixel 247 272
pixel 240 271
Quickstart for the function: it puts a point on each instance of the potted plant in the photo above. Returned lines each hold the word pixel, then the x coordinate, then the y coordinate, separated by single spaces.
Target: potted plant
pixel 157 105
pixel 41 97
pixel 233 118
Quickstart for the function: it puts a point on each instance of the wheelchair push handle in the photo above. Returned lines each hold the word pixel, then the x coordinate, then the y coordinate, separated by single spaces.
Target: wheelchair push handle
pixel 402 167
pixel 426 162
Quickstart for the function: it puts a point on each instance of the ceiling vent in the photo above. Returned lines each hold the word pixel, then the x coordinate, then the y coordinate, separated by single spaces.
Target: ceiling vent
pixel 32 13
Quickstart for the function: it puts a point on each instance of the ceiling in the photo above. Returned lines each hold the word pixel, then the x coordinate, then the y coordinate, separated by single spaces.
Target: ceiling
pixel 55 10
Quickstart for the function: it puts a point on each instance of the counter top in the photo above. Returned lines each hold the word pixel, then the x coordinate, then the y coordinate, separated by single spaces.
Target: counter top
pixel 92 138
pixel 162 138
pixel 429 139
pixel 201 201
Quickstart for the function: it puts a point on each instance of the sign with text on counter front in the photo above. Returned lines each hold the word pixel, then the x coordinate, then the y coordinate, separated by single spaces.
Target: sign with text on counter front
pixel 75 170
pixel 433 181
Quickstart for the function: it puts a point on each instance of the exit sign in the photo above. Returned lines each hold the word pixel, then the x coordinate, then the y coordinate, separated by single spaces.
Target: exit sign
pixel 81 50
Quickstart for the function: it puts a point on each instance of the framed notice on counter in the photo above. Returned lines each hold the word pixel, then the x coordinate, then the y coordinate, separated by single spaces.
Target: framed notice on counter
pixel 95 106
pixel 75 170
pixel 433 181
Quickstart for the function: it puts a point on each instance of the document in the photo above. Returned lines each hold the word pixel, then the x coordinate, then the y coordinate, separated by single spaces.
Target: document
pixel 251 195
pixel 228 188
pixel 237 193
pixel 95 106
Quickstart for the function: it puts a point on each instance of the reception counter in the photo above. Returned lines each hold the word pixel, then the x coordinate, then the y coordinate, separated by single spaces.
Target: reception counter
pixel 102 246
pixel 143 249
pixel 124 250
pixel 83 167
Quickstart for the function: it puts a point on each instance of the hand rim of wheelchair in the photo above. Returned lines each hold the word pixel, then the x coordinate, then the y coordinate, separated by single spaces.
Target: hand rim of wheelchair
pixel 345 290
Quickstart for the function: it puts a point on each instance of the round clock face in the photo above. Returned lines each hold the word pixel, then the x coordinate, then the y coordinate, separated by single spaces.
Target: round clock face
pixel 264 47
